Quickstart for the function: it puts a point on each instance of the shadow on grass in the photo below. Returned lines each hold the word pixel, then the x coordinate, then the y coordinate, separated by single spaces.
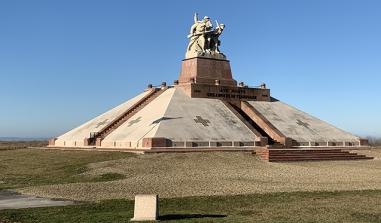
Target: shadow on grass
pixel 189 216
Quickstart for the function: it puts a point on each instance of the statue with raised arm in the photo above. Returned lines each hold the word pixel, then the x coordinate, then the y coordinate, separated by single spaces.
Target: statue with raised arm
pixel 197 38
pixel 203 40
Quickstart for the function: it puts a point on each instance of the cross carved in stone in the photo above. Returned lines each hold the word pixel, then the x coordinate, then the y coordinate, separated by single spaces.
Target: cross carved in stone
pixel 304 124
pixel 204 122
pixel 101 123
pixel 134 121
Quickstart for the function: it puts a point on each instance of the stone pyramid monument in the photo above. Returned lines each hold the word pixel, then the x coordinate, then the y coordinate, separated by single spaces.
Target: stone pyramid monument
pixel 205 109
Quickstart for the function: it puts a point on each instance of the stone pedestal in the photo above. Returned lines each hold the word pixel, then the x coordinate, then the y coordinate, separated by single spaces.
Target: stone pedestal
pixel 206 71
pixel 146 207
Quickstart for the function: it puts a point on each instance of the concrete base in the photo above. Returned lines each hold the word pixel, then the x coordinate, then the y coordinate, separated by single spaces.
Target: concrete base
pixel 155 150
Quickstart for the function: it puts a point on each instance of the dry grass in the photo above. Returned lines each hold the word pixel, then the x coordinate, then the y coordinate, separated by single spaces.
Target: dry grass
pixel 205 174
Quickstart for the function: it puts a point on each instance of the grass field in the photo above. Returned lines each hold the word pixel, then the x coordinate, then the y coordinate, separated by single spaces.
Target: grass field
pixel 195 187
pixel 351 206
pixel 32 167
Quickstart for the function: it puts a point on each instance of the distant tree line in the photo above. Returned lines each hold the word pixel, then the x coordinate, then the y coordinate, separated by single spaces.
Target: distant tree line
pixel 374 141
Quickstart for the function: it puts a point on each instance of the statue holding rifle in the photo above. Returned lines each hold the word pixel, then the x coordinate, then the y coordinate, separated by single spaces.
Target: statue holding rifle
pixel 203 39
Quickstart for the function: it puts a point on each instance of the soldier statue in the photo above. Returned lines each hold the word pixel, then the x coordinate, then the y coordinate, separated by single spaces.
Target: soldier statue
pixel 213 41
pixel 203 40
pixel 197 38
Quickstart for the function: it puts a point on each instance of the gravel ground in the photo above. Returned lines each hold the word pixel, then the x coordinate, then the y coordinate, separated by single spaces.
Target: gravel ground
pixel 220 173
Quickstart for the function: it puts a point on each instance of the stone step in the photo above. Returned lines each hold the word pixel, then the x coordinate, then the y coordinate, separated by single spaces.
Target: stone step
pixel 315 152
pixel 294 155
pixel 311 154
pixel 332 153
pixel 309 151
pixel 317 159
pixel 318 155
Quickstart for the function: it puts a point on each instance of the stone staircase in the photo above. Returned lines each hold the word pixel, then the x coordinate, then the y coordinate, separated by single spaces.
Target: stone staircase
pixel 294 155
pixel 96 139
pixel 259 131
pixel 266 127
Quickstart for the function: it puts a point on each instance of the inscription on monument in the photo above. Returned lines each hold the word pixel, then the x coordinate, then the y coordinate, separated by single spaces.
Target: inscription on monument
pixel 232 93
pixel 229 92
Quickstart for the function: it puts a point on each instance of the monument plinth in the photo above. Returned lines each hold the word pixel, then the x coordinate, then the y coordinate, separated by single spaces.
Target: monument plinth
pixel 206 71
pixel 205 110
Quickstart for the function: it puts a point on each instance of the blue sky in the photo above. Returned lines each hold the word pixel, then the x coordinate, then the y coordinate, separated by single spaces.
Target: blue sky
pixel 65 62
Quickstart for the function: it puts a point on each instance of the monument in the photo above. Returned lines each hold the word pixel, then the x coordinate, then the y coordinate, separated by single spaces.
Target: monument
pixel 205 109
